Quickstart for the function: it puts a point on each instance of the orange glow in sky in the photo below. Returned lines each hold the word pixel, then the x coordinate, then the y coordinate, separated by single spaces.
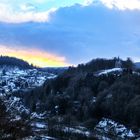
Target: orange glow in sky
pixel 35 57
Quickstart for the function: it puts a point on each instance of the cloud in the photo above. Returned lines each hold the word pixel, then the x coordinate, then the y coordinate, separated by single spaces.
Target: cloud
pixel 27 7
pixel 122 4
pixel 34 56
pixel 16 11
pixel 79 33
pixel 87 2
pixel 27 13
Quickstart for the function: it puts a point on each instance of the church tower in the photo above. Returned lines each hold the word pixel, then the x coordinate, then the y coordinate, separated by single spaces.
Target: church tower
pixel 118 63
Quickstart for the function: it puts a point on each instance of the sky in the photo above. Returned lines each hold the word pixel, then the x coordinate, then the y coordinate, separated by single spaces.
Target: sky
pixel 57 33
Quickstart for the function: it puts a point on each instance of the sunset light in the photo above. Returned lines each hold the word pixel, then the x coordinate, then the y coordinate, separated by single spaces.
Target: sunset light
pixel 35 57
pixel 69 69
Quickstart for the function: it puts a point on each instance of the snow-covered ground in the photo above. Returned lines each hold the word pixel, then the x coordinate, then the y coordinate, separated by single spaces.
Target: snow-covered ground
pixel 42 137
pixel 80 130
pixel 106 129
pixel 14 79
pixel 39 125
pixel 114 128
pixel 110 71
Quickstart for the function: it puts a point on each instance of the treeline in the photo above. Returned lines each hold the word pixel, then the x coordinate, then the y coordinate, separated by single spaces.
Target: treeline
pixel 80 97
pixel 101 64
pixel 12 61
pixel 55 70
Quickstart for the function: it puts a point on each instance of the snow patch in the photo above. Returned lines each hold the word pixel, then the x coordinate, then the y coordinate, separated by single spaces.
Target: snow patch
pixel 110 126
pixel 110 71
pixel 39 125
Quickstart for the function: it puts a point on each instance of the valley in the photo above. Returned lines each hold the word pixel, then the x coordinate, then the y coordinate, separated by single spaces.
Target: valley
pixel 43 103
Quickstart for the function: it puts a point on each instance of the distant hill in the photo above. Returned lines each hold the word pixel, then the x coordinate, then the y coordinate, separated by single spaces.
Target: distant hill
pixel 55 70
pixel 12 61
pixel 98 65
pixel 137 64
pixel 82 95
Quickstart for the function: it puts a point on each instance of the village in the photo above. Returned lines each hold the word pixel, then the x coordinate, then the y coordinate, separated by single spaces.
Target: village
pixel 14 79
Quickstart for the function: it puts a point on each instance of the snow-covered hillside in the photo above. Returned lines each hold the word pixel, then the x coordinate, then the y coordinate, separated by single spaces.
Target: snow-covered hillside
pixel 13 79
